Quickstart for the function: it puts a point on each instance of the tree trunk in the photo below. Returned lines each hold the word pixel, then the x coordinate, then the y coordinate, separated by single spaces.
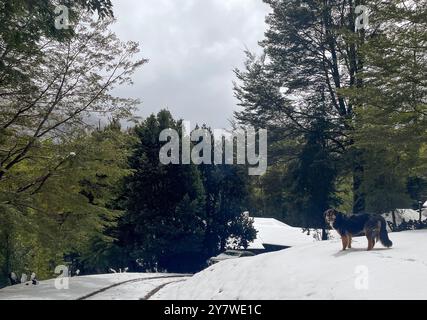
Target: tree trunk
pixel 393 216
pixel 358 195
pixel 324 234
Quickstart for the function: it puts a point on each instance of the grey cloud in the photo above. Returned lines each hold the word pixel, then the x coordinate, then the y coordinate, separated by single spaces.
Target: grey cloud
pixel 193 46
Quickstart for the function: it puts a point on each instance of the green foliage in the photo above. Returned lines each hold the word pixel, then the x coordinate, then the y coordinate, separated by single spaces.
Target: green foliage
pixel 390 121
pixel 164 221
pixel 178 215
pixel 58 176
pixel 367 87
pixel 266 194
pixel 310 53
pixel 309 183
pixel 385 181
pixel 226 193
pixel 242 232
pixel 70 209
pixel 24 23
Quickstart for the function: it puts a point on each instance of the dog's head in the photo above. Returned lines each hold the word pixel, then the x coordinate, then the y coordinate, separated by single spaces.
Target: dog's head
pixel 330 216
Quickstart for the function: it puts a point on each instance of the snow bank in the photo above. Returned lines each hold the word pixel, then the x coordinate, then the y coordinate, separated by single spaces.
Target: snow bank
pixel 317 271
pixel 405 215
pixel 274 232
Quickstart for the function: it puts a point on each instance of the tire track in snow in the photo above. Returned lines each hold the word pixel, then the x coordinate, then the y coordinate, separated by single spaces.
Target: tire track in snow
pixel 155 290
pixel 99 291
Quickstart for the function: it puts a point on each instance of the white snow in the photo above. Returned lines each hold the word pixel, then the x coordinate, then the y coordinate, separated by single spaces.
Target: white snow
pixel 317 271
pixel 133 290
pixel 84 285
pixel 274 232
pixel 405 215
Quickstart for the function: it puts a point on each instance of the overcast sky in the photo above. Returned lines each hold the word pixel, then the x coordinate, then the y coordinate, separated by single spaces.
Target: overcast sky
pixel 193 47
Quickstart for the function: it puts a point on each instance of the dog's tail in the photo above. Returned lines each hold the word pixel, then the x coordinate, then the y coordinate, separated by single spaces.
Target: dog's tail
pixel 386 242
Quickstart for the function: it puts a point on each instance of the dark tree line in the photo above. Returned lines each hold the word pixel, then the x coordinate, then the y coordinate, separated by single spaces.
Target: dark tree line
pixel 177 216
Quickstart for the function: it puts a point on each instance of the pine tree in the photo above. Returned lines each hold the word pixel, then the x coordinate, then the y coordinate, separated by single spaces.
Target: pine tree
pixel 310 179
pixel 163 226
pixel 226 194
pixel 390 117
pixel 311 52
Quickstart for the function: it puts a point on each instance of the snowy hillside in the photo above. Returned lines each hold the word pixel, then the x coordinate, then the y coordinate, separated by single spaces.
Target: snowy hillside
pixel 317 271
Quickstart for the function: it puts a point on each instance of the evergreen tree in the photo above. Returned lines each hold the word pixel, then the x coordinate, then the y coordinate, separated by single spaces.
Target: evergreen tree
pixel 266 194
pixel 417 190
pixel 311 52
pixel 179 215
pixel 391 102
pixel 226 194
pixel 164 223
pixel 310 179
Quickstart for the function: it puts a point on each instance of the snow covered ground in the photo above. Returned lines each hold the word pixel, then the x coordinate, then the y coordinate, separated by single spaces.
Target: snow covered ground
pixel 125 286
pixel 405 215
pixel 317 271
pixel 137 290
pixel 273 232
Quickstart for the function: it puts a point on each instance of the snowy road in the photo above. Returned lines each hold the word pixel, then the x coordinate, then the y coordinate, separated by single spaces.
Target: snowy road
pixel 124 286
pixel 140 289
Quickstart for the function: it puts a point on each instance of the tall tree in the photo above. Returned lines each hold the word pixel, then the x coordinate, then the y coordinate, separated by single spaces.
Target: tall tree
pixel 164 223
pixel 310 54
pixel 392 102
pixel 24 23
pixel 179 215
pixel 82 71
pixel 69 211
pixel 52 176
pixel 310 181
pixel 226 193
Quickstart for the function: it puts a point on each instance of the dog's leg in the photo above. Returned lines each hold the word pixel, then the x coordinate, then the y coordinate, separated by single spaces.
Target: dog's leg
pixel 349 241
pixel 370 244
pixel 344 240
pixel 373 241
